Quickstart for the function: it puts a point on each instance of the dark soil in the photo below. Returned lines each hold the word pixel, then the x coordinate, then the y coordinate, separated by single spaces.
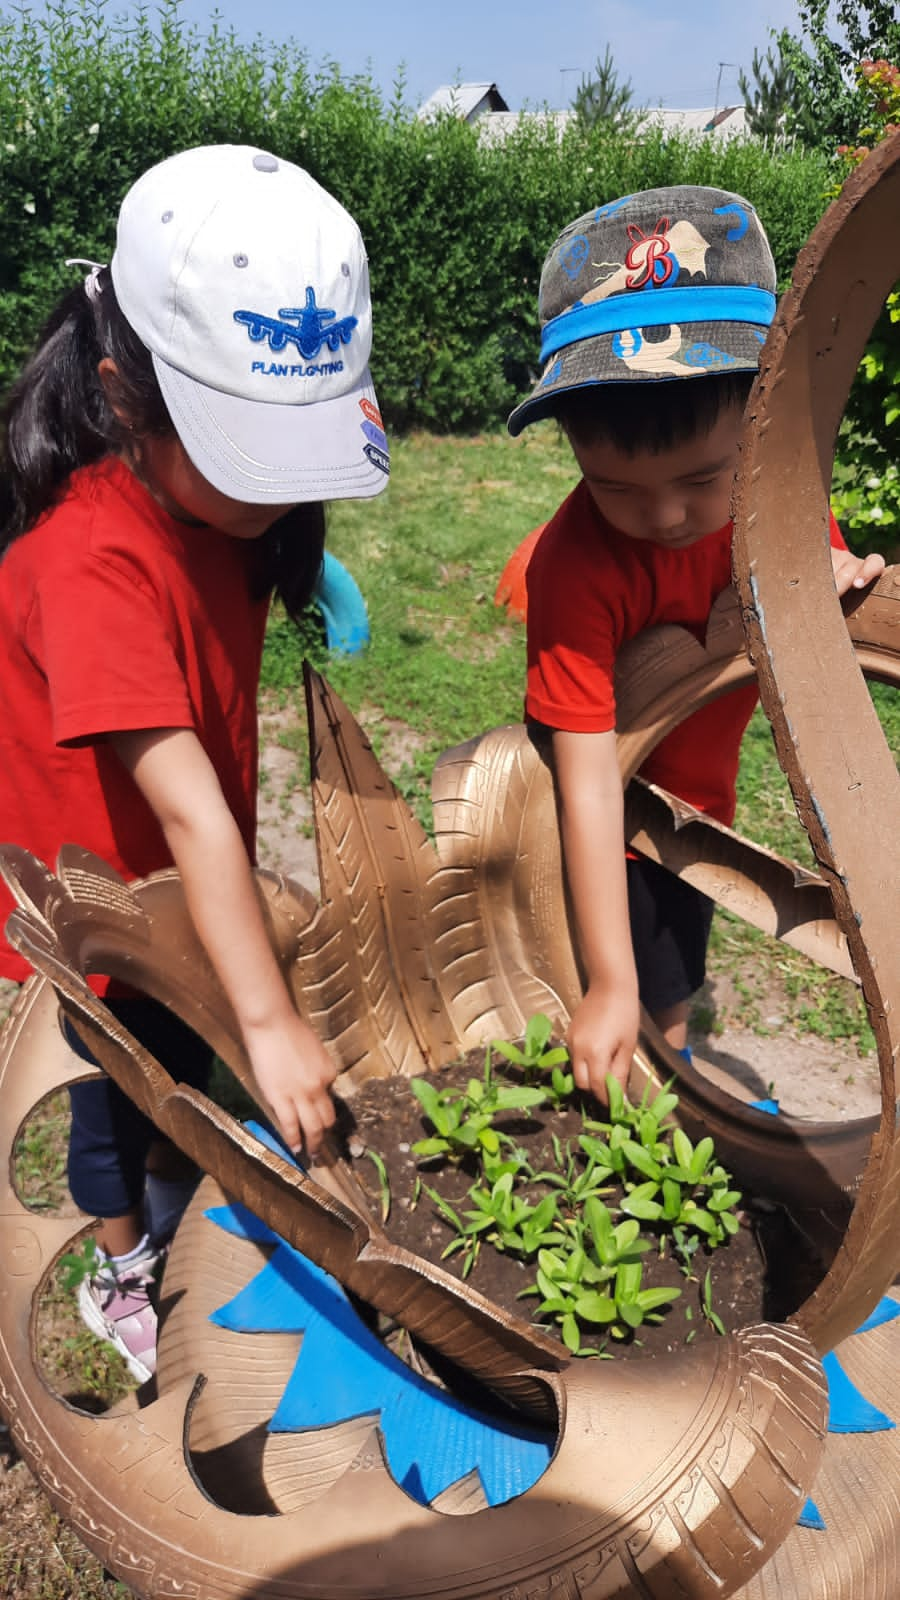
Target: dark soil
pixel 385 1117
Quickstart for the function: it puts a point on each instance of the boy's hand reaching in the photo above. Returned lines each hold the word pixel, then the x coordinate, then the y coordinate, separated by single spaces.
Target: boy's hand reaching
pixel 602 1036
pixel 854 572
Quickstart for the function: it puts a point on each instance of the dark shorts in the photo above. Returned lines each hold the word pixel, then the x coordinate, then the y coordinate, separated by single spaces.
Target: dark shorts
pixel 670 923
pixel 110 1137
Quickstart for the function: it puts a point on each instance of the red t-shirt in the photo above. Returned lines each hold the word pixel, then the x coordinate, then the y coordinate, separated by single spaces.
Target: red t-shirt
pixel 115 616
pixel 591 589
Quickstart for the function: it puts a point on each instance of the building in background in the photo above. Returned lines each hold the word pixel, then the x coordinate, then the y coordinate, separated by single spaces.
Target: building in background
pixel 482 103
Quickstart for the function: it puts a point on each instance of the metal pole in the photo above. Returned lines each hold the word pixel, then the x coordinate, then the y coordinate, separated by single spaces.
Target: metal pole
pixel 562 83
pixel 719 84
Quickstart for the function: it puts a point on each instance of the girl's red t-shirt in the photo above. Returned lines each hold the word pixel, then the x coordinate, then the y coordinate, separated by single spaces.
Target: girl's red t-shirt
pixel 117 617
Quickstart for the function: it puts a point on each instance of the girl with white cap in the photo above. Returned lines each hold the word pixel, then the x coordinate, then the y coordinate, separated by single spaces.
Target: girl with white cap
pixel 166 453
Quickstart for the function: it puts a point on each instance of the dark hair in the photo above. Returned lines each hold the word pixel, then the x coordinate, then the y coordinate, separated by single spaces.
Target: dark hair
pixel 290 557
pixel 57 417
pixel 650 416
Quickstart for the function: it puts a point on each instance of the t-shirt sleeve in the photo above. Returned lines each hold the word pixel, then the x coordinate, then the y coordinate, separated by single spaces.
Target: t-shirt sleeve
pixel 837 540
pixel 571 639
pixel 107 651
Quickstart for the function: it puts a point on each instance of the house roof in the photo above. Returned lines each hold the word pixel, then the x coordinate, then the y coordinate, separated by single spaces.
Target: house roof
pixel 723 121
pixel 466 100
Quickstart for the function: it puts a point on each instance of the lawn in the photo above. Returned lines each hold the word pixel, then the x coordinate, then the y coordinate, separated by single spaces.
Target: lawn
pixel 444 662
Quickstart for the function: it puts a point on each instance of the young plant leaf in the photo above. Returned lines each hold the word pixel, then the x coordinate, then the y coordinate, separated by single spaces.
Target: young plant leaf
pixel 596 1308
pixel 701 1157
pixel 570 1334
pixel 641 1159
pixel 649 1299
pixel 537 1032
pixel 616 1098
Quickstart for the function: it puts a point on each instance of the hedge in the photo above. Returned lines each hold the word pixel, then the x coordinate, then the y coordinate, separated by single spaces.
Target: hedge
pixel 456 228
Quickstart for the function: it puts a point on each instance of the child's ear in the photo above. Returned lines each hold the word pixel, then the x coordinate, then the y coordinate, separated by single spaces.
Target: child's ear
pixel 110 378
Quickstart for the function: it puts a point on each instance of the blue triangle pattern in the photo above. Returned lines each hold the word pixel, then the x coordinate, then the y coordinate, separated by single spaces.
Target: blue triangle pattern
pixel 848 1409
pixel 343 1371
pixel 811 1517
pixel 885 1311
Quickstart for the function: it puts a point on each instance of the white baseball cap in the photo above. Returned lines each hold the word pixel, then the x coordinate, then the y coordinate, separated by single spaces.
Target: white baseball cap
pixel 249 284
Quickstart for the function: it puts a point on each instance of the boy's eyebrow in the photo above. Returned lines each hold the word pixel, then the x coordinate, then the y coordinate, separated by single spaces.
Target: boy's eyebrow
pixel 706 469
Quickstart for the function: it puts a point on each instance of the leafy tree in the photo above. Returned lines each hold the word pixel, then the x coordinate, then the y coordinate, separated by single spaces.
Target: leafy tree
pixel 604 98
pixel 867 477
pixel 836 35
pixel 772 94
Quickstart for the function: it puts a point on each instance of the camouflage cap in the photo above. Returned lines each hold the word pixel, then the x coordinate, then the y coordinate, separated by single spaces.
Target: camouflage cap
pixel 668 283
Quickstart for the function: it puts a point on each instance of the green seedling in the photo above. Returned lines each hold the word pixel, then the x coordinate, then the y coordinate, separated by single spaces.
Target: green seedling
pixel 501 1218
pixel 76 1266
pixel 577 1290
pixel 384 1185
pixel 614 1243
pixel 576 1183
pixel 588 1255
pixel 463 1120
pixel 509 1222
pixel 711 1316
pixel 467 1240
pixel 565 1276
pixel 509 1159
pixel 536 1059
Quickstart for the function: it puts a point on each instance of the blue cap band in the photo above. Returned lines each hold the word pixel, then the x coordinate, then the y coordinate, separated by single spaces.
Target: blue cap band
pixel 656 308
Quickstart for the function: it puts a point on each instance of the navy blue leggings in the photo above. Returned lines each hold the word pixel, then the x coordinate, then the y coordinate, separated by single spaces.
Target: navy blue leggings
pixel 110 1137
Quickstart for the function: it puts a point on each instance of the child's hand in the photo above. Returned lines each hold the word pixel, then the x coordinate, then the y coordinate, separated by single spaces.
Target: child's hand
pixel 854 572
pixel 602 1036
pixel 294 1072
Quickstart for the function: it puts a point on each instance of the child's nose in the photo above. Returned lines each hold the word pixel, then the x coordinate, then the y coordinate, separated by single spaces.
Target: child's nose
pixel 667 511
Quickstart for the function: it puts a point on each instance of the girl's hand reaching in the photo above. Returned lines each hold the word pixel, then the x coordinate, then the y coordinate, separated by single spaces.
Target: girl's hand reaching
pixel 291 1065
pixel 294 1073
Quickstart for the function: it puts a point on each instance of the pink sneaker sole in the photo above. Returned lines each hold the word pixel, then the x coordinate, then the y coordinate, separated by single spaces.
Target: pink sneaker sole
pixel 123 1316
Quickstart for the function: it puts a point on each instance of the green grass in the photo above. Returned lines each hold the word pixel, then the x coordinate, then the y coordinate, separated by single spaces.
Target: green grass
pixel 444 663
pixel 39 1155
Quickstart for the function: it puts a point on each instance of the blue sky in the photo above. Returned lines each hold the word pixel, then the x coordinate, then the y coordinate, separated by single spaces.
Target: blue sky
pixel 534 50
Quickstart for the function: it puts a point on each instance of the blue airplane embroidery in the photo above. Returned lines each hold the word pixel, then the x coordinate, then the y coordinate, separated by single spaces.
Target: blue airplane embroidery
pixel 311 332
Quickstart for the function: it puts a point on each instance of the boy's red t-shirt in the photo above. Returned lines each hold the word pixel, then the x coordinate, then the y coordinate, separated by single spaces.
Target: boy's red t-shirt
pixel 590 589
pixel 116 617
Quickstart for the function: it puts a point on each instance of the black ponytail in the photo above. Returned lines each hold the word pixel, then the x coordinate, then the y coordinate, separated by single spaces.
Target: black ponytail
pixel 57 417
pixel 291 554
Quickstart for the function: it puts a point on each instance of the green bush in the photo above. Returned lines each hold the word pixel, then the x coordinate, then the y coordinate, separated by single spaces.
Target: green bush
pixel 456 227
pixel 867 479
